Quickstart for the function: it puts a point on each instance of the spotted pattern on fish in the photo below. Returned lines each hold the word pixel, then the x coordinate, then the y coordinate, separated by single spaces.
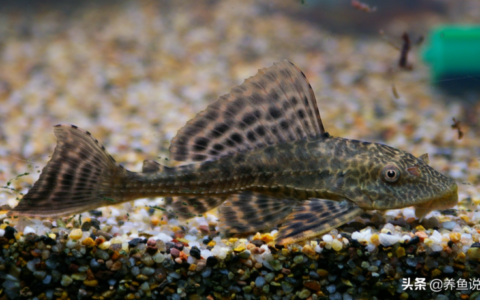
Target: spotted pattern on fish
pixel 261 154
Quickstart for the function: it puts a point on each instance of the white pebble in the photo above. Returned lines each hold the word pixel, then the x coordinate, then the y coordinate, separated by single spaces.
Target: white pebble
pixel 267 256
pixel 437 247
pixel 406 238
pixel 71 244
pixel 388 239
pixel 223 252
pixel 111 221
pixel 436 237
pixel 190 238
pixel 318 249
pixel 265 247
pixel 191 260
pixel 388 227
pixel 2 232
pixel 114 212
pixel 162 236
pixel 205 253
pixel 327 238
pixel 201 221
pixel 466 238
pixel 194 243
pixel 28 230
pixel 409 213
pixel 451 224
pixel 356 235
pixel 370 247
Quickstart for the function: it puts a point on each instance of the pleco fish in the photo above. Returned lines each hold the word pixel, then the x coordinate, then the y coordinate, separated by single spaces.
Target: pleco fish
pixel 263 156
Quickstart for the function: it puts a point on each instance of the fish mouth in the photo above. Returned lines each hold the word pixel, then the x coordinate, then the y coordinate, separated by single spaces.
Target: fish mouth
pixel 447 200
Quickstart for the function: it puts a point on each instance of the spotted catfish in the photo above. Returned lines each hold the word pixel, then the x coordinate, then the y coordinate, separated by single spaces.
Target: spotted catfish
pixel 261 154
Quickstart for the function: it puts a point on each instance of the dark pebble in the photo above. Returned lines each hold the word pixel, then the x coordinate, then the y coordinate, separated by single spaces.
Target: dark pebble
pixel 56 275
pixel 257 243
pixel 290 280
pixel 95 223
pixel 73 268
pixel 106 235
pixel 26 255
pixel 96 213
pixel 411 249
pixel 179 246
pixel 212 261
pixel 169 246
pixel 195 252
pixel 86 226
pixel 235 259
pixel 168 264
pixel 474 245
pixel 314 275
pixel 104 275
pixel 223 271
pixel 48 241
pixel 152 250
pixel 175 252
pixel 135 242
pixel 415 240
pixel 10 232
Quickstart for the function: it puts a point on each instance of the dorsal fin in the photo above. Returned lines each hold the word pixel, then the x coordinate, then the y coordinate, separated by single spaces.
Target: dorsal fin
pixel 276 105
pixel 424 158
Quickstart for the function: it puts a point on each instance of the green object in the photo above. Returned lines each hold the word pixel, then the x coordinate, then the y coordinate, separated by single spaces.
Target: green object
pixel 453 51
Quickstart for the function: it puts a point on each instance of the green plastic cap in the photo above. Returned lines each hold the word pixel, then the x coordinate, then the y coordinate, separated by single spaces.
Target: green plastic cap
pixel 453 51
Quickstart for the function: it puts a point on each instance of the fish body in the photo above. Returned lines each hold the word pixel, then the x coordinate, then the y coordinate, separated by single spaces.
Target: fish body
pixel 261 154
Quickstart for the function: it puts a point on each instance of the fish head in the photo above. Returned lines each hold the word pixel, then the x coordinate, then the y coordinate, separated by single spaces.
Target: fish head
pixel 394 178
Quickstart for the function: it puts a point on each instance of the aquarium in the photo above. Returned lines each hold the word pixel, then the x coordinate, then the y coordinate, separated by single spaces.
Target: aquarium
pixel 239 150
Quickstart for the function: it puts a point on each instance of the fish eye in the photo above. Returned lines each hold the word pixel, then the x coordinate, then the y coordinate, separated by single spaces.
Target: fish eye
pixel 391 174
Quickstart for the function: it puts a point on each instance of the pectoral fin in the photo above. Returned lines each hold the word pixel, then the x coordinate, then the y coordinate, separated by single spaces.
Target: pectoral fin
pixel 188 207
pixel 423 209
pixel 314 217
pixel 251 212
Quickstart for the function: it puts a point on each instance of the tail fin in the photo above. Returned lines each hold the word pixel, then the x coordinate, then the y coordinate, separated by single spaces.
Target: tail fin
pixel 80 176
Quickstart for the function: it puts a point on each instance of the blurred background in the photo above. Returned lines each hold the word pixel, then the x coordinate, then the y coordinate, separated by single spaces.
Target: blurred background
pixel 134 72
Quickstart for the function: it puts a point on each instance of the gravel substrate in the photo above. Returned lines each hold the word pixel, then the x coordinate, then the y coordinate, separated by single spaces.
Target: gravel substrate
pixel 134 73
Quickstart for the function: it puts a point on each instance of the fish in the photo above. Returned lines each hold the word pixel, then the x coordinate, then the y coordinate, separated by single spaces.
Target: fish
pixel 261 155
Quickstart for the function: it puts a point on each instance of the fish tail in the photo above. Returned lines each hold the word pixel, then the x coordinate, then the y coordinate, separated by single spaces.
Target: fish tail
pixel 80 176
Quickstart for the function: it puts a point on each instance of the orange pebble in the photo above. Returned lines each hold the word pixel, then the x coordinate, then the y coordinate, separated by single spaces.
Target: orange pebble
pixel 375 239
pixel 88 242
pixel 422 235
pixel 115 255
pixel 455 237
pixel 155 220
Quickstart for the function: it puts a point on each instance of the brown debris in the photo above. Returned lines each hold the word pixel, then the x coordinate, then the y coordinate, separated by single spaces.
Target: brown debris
pixel 395 92
pixel 363 6
pixel 403 61
pixel 458 126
